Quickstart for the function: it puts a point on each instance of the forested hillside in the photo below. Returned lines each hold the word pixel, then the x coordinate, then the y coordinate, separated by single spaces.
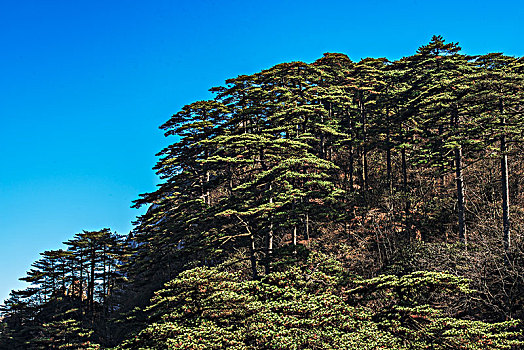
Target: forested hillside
pixel 331 205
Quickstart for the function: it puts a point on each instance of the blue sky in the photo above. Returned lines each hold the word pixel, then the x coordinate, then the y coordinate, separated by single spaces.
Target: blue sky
pixel 85 84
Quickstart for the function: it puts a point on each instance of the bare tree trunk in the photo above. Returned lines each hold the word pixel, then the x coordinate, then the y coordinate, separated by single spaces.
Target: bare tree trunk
pixel 81 287
pixel 505 189
pixel 252 256
pixel 208 197
pixel 205 183
pixel 404 170
pixel 365 166
pixel 91 287
pixel 460 187
pixel 307 226
pixel 441 146
pixel 389 170
pixel 388 153
pixel 364 147
pixel 460 195
pixel 405 190
pixel 104 274
pixel 351 128
pixel 351 170
pixel 269 242
pixel 294 234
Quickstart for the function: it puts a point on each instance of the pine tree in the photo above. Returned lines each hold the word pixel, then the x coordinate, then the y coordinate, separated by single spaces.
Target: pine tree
pixel 497 92
pixel 437 67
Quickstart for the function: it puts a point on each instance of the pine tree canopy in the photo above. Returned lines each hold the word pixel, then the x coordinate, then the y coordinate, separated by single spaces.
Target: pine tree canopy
pixel 336 204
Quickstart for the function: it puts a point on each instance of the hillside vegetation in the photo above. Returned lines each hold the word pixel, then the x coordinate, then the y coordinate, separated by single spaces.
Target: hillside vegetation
pixel 331 205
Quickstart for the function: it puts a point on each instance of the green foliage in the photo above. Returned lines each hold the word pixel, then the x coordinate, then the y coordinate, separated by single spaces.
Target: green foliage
pixel 71 291
pixel 382 164
pixel 312 306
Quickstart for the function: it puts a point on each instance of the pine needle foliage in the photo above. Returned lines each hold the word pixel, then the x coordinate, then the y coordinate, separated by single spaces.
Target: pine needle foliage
pixel 336 204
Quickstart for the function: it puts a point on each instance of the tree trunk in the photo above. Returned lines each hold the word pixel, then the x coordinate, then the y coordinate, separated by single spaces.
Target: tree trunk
pixel 252 256
pixel 104 277
pixel 81 287
pixel 441 146
pixel 351 128
pixel 307 227
pixel 505 188
pixel 364 146
pixel 460 195
pixel 388 169
pixel 365 167
pixel 405 190
pixel 91 287
pixel 460 187
pixel 388 153
pixel 295 219
pixel 269 241
pixel 351 170
pixel 205 183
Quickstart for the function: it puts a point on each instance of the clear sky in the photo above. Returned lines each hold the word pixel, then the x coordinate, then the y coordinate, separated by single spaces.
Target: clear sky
pixel 84 86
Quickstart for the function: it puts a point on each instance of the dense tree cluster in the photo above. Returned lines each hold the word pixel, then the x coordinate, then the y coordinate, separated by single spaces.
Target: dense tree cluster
pixel 336 204
pixel 311 305
pixel 72 293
